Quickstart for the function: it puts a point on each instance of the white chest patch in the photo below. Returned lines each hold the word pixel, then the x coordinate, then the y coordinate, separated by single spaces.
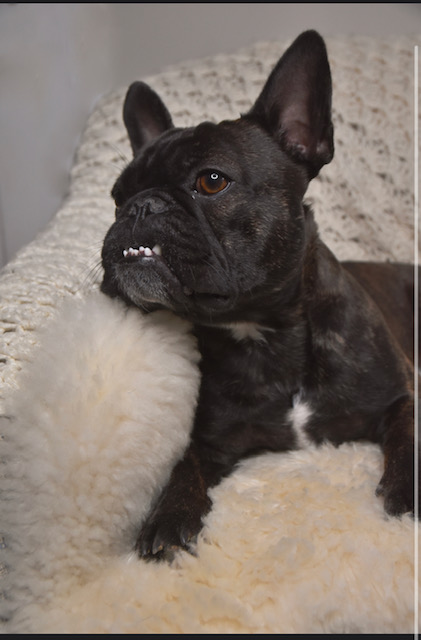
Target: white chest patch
pixel 299 416
pixel 247 331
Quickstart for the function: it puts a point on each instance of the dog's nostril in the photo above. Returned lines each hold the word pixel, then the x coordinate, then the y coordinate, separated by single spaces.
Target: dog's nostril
pixel 151 205
pixel 136 210
pixel 154 205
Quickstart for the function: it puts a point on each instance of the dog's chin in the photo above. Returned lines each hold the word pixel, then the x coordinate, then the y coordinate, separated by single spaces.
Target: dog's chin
pixel 207 307
pixel 196 307
pixel 152 289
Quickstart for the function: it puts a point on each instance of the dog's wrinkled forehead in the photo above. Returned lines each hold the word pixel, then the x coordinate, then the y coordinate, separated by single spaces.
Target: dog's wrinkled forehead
pixel 179 151
pixel 177 156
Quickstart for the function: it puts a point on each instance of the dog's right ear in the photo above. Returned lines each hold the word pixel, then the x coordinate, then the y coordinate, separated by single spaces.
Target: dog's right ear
pixel 144 115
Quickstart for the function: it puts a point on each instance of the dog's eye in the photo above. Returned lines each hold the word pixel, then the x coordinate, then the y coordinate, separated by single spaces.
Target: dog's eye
pixel 211 182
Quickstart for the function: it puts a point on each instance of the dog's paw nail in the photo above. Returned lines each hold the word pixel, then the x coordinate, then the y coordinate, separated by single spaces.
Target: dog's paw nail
pixel 379 490
pixel 157 547
pixel 143 546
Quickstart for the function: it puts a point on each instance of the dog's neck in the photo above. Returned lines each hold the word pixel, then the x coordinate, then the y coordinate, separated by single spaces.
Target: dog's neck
pixel 278 331
pixel 276 309
pixel 260 352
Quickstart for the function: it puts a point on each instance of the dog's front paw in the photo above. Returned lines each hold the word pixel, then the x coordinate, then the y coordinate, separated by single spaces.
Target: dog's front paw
pixel 397 490
pixel 164 532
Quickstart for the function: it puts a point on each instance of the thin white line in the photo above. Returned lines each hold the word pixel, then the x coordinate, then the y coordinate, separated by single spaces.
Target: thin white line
pixel 416 363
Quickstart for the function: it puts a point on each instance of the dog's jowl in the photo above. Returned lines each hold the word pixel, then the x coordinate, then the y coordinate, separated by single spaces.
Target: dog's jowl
pixel 211 224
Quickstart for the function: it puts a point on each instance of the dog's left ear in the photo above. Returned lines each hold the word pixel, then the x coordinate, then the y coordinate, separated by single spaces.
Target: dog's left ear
pixel 295 103
pixel 144 115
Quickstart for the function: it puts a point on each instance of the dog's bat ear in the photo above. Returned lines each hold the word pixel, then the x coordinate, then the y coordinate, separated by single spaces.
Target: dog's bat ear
pixel 295 103
pixel 144 115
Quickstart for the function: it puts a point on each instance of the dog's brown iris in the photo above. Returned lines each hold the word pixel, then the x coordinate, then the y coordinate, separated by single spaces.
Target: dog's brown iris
pixel 210 183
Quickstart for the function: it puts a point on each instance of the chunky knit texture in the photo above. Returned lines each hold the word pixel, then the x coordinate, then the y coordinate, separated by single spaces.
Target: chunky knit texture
pixel 295 543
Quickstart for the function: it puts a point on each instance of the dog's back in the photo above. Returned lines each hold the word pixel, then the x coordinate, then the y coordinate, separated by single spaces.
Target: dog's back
pixel 392 288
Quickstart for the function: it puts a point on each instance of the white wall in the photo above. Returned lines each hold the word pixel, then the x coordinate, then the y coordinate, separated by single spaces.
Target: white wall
pixel 53 62
pixel 56 59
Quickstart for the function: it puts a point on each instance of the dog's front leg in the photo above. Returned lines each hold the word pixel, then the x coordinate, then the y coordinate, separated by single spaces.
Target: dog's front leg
pixel 176 518
pixel 398 483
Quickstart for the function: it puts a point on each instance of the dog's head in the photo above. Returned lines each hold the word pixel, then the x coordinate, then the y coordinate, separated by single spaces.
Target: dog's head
pixel 209 219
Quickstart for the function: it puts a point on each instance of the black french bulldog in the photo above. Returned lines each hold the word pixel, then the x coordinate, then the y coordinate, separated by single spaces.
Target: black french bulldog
pixel 211 224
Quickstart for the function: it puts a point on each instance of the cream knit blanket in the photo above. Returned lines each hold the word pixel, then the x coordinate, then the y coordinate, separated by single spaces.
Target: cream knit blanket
pixel 296 543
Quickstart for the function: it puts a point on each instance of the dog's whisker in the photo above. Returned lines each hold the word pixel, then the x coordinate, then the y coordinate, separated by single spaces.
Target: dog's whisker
pixel 92 269
pixel 120 153
pixel 117 167
pixel 122 156
pixel 88 281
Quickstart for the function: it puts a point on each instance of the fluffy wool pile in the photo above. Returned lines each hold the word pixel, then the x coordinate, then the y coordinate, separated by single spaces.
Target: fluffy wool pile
pixel 97 402
pixel 104 412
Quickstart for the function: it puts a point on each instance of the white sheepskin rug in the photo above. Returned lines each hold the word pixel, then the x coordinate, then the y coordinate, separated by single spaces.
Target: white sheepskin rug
pixel 102 415
pixel 295 543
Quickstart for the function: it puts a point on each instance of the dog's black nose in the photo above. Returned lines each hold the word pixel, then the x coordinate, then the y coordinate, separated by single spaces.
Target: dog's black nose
pixel 148 206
